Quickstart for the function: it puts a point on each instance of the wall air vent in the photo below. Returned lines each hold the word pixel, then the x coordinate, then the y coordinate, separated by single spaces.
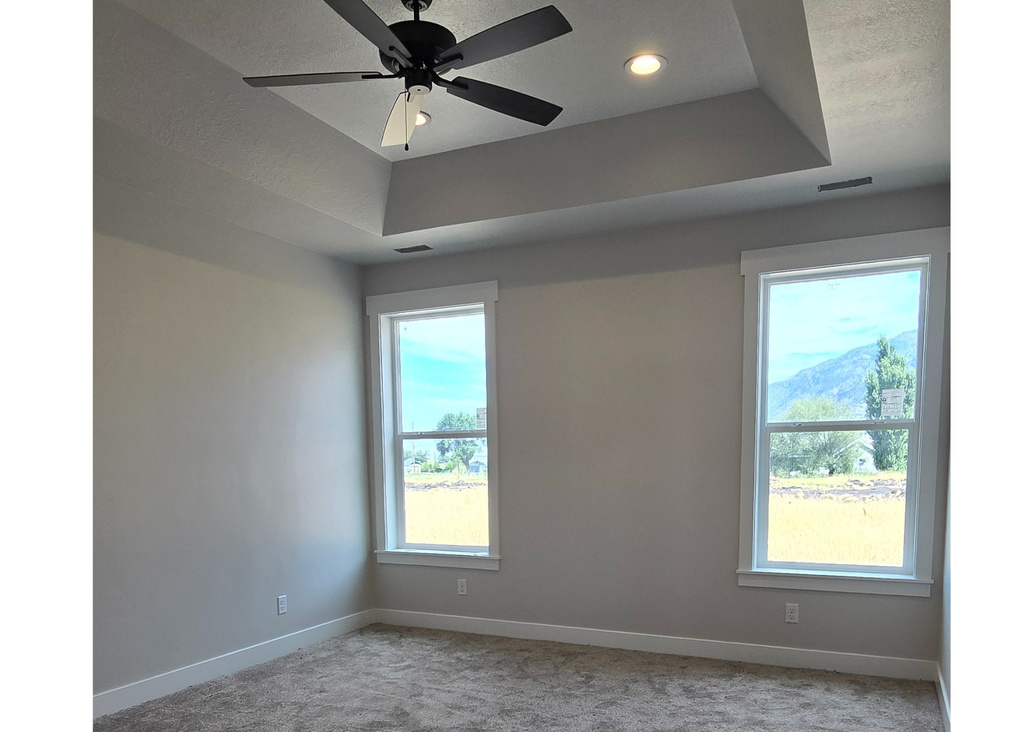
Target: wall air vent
pixel 844 184
pixel 410 250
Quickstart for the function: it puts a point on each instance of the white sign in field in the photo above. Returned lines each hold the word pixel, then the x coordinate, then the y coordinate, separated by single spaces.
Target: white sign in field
pixel 892 402
pixel 481 418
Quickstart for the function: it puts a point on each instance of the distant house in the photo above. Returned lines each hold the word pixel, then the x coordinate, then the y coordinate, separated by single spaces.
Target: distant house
pixel 478 465
pixel 865 460
pixel 412 467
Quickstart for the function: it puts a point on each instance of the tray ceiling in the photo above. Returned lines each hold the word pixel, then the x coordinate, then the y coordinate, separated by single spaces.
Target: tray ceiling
pixel 760 101
pixel 582 71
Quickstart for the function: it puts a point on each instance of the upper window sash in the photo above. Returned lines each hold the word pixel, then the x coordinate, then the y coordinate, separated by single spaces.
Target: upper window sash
pixel 838 272
pixel 395 322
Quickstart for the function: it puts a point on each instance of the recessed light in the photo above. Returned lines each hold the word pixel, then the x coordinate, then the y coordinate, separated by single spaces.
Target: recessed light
pixel 645 64
pixel 422 118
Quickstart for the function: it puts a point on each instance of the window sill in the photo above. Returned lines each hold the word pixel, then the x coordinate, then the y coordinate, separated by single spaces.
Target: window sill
pixel 870 584
pixel 437 559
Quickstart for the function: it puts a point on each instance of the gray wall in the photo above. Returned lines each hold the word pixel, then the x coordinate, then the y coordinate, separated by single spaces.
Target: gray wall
pixel 229 440
pixel 619 380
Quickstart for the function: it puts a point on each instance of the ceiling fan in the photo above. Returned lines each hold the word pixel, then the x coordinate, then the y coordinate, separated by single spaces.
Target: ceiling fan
pixel 418 52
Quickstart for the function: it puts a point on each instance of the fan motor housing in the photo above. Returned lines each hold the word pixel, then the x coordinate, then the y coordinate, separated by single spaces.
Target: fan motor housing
pixel 426 42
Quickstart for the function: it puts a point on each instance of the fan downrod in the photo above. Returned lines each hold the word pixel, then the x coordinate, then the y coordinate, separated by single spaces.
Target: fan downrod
pixel 416 5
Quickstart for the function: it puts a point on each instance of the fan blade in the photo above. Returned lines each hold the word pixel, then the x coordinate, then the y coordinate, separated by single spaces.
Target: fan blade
pixel 402 120
pixel 336 77
pixel 506 101
pixel 372 27
pixel 508 37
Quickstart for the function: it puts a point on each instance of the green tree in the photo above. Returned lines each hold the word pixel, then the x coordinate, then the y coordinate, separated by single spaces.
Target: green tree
pixel 889 447
pixel 418 457
pixel 807 452
pixel 461 451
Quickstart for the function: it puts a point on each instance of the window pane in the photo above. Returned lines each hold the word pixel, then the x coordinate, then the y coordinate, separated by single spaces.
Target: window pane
pixel 443 373
pixel 843 348
pixel 837 497
pixel 446 492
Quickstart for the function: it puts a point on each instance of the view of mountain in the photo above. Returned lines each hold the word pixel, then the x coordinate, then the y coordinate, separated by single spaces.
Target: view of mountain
pixel 839 378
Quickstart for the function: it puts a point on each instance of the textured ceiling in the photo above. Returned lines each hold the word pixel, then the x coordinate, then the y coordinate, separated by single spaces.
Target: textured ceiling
pixel 761 101
pixel 582 71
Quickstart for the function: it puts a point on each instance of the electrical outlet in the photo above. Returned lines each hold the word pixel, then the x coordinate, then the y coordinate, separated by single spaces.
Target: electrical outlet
pixel 462 587
pixel 282 604
pixel 792 612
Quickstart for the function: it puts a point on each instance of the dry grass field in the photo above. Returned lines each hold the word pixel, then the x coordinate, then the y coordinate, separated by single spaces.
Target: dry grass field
pixel 831 531
pixel 446 509
pixel 837 519
pixel 823 519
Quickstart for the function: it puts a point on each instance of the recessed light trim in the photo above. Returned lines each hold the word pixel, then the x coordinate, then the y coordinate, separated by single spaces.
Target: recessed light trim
pixel 645 64
pixel 422 119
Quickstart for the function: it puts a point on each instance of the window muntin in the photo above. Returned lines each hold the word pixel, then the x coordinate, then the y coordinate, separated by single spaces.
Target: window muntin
pixel 435 462
pixel 827 430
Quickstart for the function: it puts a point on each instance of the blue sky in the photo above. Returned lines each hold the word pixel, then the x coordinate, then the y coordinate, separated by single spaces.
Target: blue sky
pixel 811 322
pixel 443 369
pixel 443 359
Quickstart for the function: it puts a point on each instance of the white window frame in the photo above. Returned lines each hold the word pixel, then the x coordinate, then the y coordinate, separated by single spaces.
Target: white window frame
pixel 384 312
pixel 928 248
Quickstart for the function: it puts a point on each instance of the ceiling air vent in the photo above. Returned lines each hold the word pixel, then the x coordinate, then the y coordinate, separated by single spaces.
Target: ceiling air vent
pixel 410 250
pixel 844 184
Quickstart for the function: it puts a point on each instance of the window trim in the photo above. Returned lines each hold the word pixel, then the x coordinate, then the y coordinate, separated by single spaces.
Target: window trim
pixel 383 310
pixel 867 251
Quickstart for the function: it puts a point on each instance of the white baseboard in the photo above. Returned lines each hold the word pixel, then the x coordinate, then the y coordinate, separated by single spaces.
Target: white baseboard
pixel 113 700
pixel 943 697
pixel 852 663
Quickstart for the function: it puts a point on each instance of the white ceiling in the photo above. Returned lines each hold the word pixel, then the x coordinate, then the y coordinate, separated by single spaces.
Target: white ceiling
pixel 864 85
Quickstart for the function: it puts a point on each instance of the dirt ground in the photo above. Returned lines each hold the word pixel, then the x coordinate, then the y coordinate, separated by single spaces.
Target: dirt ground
pixel 852 490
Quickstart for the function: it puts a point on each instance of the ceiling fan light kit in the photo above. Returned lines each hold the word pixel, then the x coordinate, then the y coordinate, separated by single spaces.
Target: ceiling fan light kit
pixel 419 52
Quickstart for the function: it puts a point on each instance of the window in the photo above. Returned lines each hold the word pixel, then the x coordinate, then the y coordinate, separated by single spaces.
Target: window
pixel 842 389
pixel 435 432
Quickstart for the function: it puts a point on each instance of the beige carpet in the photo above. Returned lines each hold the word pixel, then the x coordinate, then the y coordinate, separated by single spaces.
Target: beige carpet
pixel 386 679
